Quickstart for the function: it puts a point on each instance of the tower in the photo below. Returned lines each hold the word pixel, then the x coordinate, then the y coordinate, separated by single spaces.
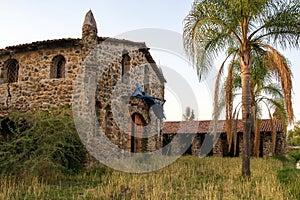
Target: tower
pixel 89 30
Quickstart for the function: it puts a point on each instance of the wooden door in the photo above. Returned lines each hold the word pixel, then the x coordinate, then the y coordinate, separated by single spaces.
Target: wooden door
pixel 137 130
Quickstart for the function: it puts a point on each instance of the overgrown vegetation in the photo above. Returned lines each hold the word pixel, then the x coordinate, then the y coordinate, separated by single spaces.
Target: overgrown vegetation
pixel 289 176
pixel 294 156
pixel 187 178
pixel 40 153
pixel 43 143
pixel 293 136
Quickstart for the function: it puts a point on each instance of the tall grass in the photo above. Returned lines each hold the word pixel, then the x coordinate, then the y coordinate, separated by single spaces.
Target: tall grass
pixel 187 178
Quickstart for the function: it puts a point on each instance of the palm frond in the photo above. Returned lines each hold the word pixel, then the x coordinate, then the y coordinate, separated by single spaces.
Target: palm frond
pixel 229 102
pixel 279 24
pixel 279 108
pixel 278 65
pixel 207 32
pixel 220 103
pixel 273 90
pixel 235 121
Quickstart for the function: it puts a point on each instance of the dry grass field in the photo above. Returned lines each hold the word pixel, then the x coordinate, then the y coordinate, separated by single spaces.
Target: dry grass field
pixel 187 178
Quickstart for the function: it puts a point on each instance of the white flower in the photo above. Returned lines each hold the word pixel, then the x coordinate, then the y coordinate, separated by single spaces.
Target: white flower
pixel 298 165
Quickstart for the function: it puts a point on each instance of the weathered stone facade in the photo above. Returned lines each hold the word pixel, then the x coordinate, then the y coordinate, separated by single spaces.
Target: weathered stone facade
pixel 51 73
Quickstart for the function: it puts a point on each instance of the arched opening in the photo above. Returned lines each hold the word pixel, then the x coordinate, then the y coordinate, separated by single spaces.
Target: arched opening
pixel 108 120
pixel 125 68
pixel 146 80
pixel 58 66
pixel 12 67
pixel 137 127
pixel 98 110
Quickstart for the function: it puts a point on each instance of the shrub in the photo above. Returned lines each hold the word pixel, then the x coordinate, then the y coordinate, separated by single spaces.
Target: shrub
pixel 294 155
pixel 44 143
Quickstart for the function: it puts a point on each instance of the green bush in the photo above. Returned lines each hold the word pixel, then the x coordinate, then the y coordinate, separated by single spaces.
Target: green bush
pixel 41 143
pixel 294 155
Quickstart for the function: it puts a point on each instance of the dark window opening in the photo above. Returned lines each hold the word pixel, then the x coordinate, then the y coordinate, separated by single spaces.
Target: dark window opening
pixel 167 139
pixel 98 110
pixel 108 120
pixel 12 67
pixel 261 145
pixel 206 148
pixel 125 68
pixel 61 69
pixel 146 80
pixel 58 67
pixel 188 151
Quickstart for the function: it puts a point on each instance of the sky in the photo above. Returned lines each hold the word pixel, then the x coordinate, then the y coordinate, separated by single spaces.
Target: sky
pixel 36 20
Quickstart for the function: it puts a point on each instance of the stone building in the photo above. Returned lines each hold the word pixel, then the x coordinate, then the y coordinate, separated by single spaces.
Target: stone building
pixel 50 73
pixel 113 81
pixel 198 132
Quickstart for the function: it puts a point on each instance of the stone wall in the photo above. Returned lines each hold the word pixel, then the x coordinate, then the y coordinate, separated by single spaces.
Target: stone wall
pixel 221 146
pixel 281 146
pixel 196 145
pixel 42 95
pixel 218 147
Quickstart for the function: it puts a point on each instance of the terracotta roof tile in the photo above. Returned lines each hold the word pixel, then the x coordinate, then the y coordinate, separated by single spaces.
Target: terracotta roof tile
pixel 65 42
pixel 61 43
pixel 40 44
pixel 203 127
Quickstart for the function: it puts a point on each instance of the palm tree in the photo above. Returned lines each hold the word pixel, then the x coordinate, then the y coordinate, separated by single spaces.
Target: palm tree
pixel 243 27
pixel 265 93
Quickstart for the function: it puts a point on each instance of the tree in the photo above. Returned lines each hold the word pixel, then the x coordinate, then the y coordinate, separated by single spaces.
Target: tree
pixel 243 27
pixel 293 136
pixel 265 93
pixel 189 114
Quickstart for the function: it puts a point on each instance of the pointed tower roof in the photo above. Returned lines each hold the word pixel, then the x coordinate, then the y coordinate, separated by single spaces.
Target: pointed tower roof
pixel 89 19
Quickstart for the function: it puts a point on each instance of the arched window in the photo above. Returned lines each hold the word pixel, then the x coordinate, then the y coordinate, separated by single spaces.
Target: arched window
pixel 57 69
pixel 125 68
pixel 12 67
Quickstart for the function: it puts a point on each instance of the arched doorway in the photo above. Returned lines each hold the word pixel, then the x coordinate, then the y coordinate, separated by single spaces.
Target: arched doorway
pixel 137 129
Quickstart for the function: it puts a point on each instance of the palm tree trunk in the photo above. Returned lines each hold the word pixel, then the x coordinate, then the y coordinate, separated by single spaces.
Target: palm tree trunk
pixel 245 63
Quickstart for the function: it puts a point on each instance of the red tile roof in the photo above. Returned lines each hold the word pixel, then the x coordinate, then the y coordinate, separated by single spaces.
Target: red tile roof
pixel 202 127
